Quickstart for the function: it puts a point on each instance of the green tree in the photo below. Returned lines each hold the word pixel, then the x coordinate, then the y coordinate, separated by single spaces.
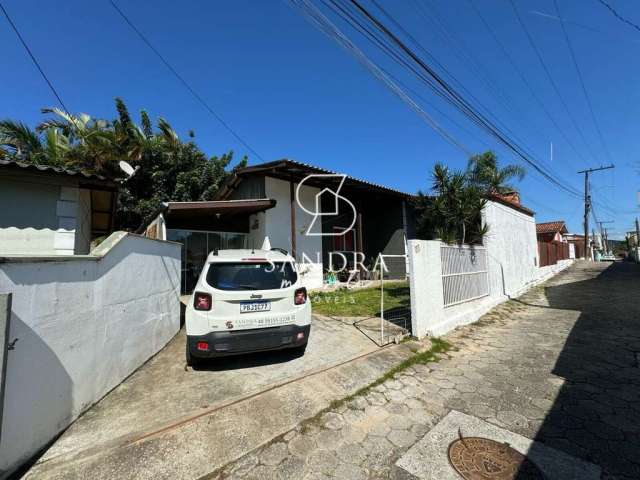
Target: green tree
pixel 453 211
pixel 18 141
pixel 484 172
pixel 168 168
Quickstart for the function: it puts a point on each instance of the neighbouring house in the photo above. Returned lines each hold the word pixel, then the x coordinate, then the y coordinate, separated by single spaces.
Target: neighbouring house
pixel 53 211
pixel 551 231
pixel 259 202
pixel 80 319
pixel 576 242
pixel 552 245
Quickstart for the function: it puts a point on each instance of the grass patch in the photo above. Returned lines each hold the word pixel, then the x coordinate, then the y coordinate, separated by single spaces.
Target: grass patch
pixel 363 302
pixel 418 358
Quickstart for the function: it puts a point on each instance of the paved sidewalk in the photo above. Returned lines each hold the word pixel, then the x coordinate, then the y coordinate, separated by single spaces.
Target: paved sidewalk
pixel 559 365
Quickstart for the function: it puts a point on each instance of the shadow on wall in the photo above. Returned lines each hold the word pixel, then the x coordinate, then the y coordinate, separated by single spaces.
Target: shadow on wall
pixel 47 388
pixel 596 415
pixel 83 325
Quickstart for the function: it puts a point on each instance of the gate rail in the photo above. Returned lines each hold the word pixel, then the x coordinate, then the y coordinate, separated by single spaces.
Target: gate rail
pixel 465 274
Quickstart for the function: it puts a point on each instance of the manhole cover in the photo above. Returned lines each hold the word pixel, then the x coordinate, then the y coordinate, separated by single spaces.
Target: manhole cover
pixel 476 458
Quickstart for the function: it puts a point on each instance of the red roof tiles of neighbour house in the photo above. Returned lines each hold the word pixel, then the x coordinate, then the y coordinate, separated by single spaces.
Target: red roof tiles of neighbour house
pixel 511 200
pixel 551 227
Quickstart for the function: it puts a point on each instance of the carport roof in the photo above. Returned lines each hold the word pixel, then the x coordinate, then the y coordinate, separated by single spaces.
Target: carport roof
pixel 231 207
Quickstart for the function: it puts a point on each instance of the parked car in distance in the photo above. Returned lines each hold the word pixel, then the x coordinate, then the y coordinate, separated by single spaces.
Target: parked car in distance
pixel 608 257
pixel 247 301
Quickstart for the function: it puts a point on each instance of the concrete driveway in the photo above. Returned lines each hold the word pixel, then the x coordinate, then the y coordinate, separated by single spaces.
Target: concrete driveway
pixel 164 394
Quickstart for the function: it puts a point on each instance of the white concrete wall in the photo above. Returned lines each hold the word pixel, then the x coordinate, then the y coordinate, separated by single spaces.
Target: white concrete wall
pixel 277 226
pixel 513 258
pixel 425 281
pixel 512 248
pixel 82 324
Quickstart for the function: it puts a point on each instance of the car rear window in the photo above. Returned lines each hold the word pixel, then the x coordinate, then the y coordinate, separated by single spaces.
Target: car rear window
pixel 251 276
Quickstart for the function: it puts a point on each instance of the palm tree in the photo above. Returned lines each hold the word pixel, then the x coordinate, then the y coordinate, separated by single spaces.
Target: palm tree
pixel 483 170
pixel 19 140
pixel 455 212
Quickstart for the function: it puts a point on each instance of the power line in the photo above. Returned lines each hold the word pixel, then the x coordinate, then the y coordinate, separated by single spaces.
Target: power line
pixel 387 49
pixel 550 77
pixel 33 58
pixel 332 31
pixel 620 17
pixel 616 35
pixel 582 84
pixel 524 78
pixel 431 105
pixel 183 81
pixel 460 50
pixel 442 88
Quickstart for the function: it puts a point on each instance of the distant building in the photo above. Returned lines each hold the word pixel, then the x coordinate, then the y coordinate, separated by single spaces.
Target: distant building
pixel 578 244
pixel 53 211
pixel 551 231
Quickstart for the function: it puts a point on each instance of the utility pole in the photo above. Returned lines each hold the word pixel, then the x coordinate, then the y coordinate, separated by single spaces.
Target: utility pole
pixel 587 204
pixel 637 246
pixel 605 236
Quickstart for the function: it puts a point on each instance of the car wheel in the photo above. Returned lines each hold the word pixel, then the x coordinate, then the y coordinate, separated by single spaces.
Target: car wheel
pixel 191 360
pixel 300 350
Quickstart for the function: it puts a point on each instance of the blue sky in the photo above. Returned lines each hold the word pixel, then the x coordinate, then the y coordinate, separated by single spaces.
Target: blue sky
pixel 290 91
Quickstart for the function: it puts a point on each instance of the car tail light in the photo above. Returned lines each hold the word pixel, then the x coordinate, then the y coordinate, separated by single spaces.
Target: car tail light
pixel 300 297
pixel 202 301
pixel 202 346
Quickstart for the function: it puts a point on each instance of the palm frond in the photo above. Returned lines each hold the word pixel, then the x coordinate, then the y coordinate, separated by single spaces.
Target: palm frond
pixel 19 137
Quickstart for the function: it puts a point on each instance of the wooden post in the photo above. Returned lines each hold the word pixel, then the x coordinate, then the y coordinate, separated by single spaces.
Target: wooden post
pixel 293 218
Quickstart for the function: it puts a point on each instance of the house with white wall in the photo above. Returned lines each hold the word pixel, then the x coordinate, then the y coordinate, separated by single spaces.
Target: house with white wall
pixel 53 211
pixel 298 213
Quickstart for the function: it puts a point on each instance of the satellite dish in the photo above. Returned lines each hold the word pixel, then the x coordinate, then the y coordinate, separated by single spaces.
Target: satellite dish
pixel 127 168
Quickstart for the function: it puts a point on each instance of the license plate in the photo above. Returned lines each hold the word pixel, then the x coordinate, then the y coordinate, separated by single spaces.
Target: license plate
pixel 260 306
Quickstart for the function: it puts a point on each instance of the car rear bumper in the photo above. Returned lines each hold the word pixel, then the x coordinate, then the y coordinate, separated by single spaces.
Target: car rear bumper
pixel 234 342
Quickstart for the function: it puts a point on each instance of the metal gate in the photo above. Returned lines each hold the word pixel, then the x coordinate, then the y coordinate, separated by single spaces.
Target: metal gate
pixel 465 274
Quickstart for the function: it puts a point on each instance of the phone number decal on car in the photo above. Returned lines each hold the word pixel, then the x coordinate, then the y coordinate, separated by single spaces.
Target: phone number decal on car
pixel 265 321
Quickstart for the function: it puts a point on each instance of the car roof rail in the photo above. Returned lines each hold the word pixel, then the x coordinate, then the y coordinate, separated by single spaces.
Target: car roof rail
pixel 281 250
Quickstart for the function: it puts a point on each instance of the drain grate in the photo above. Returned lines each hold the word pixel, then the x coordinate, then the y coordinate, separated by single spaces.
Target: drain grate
pixel 477 458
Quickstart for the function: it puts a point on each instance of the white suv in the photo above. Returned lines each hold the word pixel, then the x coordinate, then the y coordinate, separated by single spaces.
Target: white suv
pixel 247 301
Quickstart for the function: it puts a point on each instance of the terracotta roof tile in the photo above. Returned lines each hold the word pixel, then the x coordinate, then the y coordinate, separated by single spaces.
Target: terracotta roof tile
pixel 551 227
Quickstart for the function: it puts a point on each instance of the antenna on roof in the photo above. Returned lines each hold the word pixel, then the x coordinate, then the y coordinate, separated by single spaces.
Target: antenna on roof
pixel 253 248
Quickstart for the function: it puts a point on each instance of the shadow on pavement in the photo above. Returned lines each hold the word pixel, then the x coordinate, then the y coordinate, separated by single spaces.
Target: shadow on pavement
pixel 247 360
pixel 596 415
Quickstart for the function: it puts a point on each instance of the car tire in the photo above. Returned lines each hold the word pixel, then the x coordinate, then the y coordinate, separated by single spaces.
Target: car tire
pixel 300 349
pixel 191 360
